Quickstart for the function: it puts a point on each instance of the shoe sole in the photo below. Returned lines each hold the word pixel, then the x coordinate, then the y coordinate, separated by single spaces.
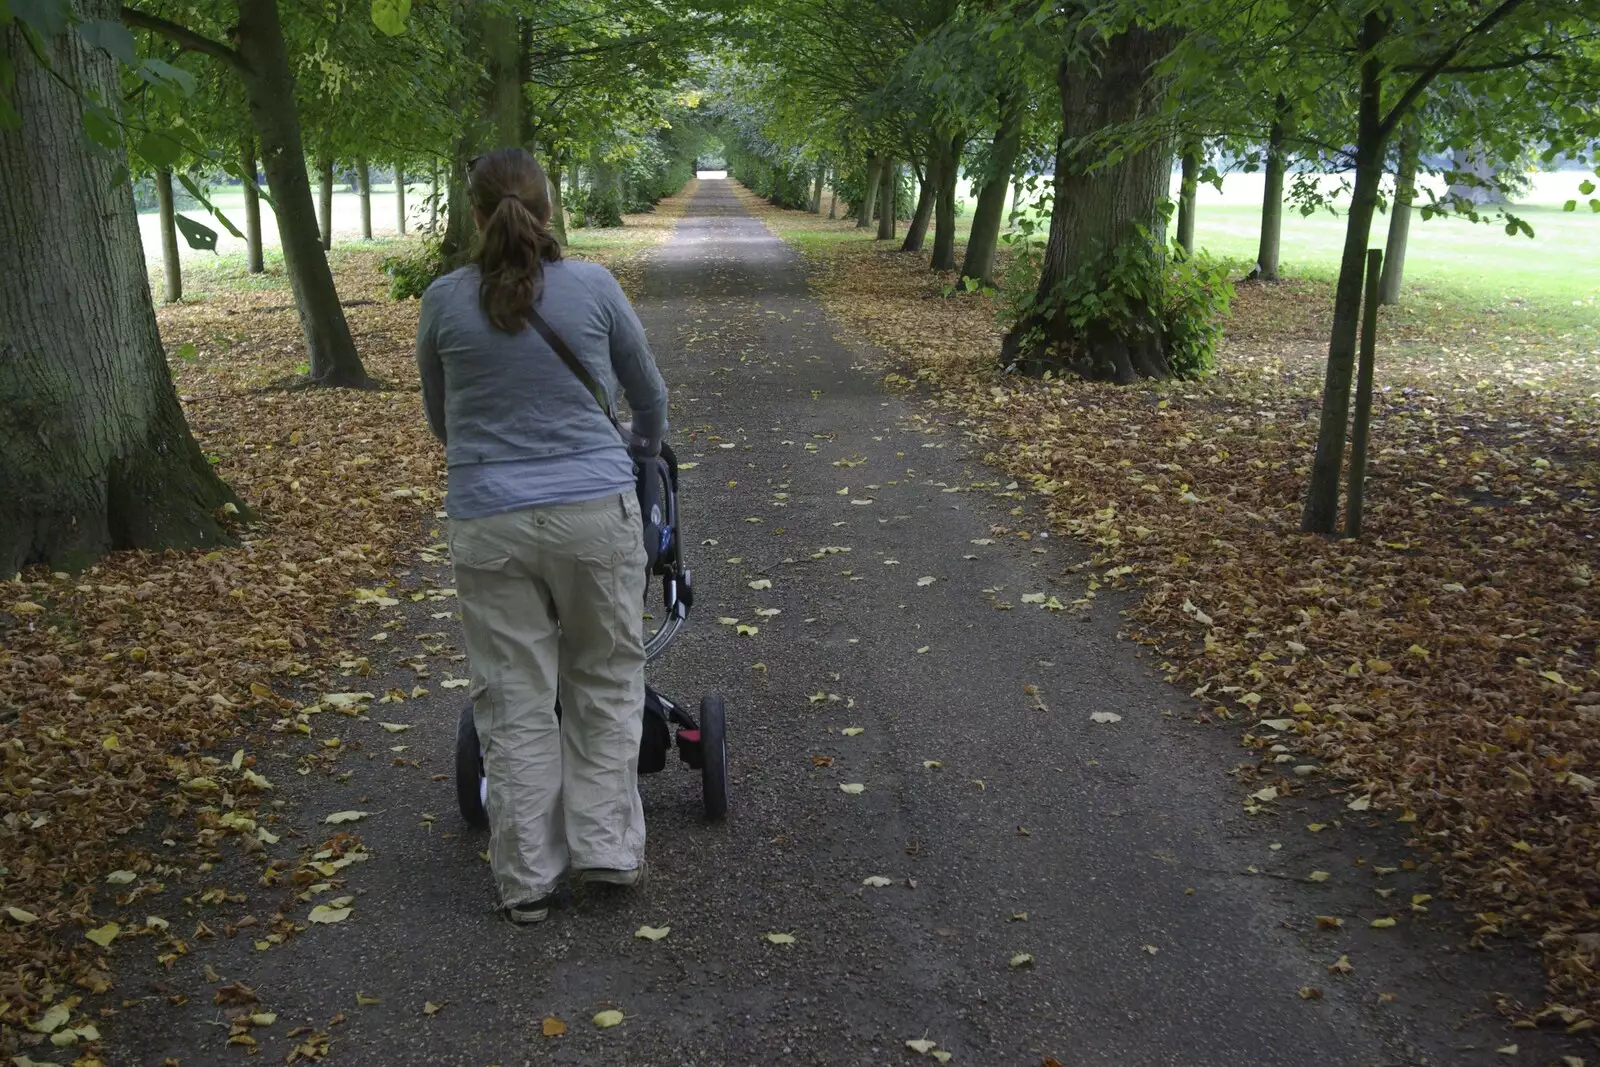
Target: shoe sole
pixel 527 917
pixel 626 879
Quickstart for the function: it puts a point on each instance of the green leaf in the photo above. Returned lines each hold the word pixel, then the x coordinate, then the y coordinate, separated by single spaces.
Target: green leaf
pixel 188 352
pixel 390 15
pixel 197 234
pixel 159 149
pixel 1586 187
pixel 113 36
pixel 1570 205
pixel 194 191
pixel 160 73
pixel 1511 229
pixel 47 18
pixel 101 127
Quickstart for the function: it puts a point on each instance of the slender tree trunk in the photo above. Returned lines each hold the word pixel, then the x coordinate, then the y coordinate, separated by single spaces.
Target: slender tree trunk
pixel 325 200
pixel 869 195
pixel 456 244
pixel 1016 201
pixel 833 197
pixel 172 270
pixel 944 202
pixel 888 193
pixel 1361 429
pixel 1100 207
pixel 269 90
pixel 434 195
pixel 252 205
pixel 399 200
pixel 95 454
pixel 558 213
pixel 1321 513
pixel 917 232
pixel 985 236
pixel 816 190
pixel 1272 193
pixel 1405 192
pixel 364 190
pixel 1188 185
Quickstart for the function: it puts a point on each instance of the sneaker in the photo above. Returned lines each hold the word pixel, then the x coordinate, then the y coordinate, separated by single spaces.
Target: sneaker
pixel 529 912
pixel 608 876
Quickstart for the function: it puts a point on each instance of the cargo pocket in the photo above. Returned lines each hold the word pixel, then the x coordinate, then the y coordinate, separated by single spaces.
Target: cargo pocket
pixel 474 548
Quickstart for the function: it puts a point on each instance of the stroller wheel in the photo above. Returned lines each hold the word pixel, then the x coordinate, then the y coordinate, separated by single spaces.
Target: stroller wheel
pixel 471 787
pixel 714 757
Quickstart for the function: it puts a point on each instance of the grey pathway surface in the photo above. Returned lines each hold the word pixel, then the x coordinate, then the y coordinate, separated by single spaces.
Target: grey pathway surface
pixel 1119 841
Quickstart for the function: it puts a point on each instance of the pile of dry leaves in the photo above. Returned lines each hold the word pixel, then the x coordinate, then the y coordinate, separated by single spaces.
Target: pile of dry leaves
pixel 133 696
pixel 1440 672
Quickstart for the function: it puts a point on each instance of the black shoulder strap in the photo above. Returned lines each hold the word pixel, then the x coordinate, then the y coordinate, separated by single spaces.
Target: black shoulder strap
pixel 574 364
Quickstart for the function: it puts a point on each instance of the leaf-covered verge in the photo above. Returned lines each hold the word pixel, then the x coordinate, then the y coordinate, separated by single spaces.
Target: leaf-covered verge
pixel 148 704
pixel 1440 674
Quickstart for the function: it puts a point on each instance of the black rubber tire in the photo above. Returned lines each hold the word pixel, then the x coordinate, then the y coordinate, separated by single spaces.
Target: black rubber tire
pixel 714 757
pixel 469 772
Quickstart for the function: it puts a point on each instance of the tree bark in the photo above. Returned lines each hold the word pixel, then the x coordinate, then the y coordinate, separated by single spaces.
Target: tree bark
pixel 1405 192
pixel 558 213
pixel 1321 514
pixel 816 190
pixel 888 193
pixel 1016 201
pixel 364 190
pixel 95 454
pixel 457 241
pixel 869 195
pixel 434 194
pixel 269 90
pixel 502 43
pixel 1188 185
pixel 986 217
pixel 1272 193
pixel 325 201
pixel 1099 208
pixel 833 197
pixel 917 232
pixel 948 156
pixel 1361 430
pixel 399 200
pixel 172 270
pixel 252 206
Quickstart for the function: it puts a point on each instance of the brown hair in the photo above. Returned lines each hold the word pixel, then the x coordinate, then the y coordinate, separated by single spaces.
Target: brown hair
pixel 509 189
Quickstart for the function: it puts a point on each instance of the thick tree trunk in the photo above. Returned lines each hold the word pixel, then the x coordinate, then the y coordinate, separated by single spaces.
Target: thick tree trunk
pixel 986 217
pixel 1272 194
pixel 325 201
pixel 364 190
pixel 399 200
pixel 252 206
pixel 816 190
pixel 171 269
pixel 1405 192
pixel 1321 513
pixel 888 193
pixel 269 90
pixel 1100 208
pixel 502 43
pixel 917 232
pixel 869 195
pixel 948 156
pixel 558 213
pixel 457 241
pixel 94 451
pixel 1188 186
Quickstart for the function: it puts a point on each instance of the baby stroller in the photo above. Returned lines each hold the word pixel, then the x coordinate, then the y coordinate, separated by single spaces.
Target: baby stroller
pixel 701 745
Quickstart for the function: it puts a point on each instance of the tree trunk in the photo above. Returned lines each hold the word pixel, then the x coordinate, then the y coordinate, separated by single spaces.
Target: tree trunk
pixel 172 270
pixel 1361 430
pixel 364 190
pixel 458 229
pixel 399 200
pixel 325 200
pixel 269 90
pixel 917 232
pixel 252 205
pixel 816 190
pixel 1016 201
pixel 558 213
pixel 1101 207
pixel 948 156
pixel 986 217
pixel 833 197
pixel 1272 194
pixel 1321 513
pixel 869 195
pixel 1188 185
pixel 94 451
pixel 434 194
pixel 1405 192
pixel 888 193
pixel 502 43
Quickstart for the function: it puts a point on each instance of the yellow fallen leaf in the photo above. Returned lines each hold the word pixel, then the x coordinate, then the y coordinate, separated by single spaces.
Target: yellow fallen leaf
pixel 744 630
pixel 455 683
pixel 1264 795
pixel 1361 803
pixel 853 788
pixel 121 877
pixel 781 939
pixel 52 1020
pixel 1383 924
pixel 1316 827
pixel 652 933
pixel 852 731
pixel 346 816
pixel 931 764
pixel 921 1046
pixel 876 881
pixel 323 913
pixel 761 583
pixel 430 1008
pixel 21 915
pixel 395 727
pixel 924 650
pixel 1342 965
pixel 104 935
pixel 605 1020
pixel 551 1026
pixel 1318 876
pixel 1022 959
pixel 111 742
pixel 940 1055
pixel 365 1001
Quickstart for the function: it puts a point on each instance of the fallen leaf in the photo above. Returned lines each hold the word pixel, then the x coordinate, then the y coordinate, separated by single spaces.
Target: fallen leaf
pixel 652 933
pixel 1384 923
pixel 430 1008
pixel 781 939
pixel 550 1026
pixel 876 881
pixel 324 913
pixel 362 1000
pixel 1318 876
pixel 921 1046
pixel 1104 716
pixel 926 580
pixel 1361 803
pixel 121 877
pixel 761 583
pixel 104 935
pixel 1308 992
pixel 1021 959
pixel 853 731
pixel 346 816
pixel 395 727
pixel 1342 965
pixel 853 788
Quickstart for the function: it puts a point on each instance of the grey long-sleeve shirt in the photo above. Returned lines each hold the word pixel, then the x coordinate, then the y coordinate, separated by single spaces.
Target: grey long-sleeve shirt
pixel 519 428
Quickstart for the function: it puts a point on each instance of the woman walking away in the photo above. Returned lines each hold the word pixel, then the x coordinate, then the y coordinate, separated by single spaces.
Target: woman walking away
pixel 545 533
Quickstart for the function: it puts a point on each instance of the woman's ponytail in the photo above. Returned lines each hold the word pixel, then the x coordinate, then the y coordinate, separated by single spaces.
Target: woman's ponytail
pixel 512 196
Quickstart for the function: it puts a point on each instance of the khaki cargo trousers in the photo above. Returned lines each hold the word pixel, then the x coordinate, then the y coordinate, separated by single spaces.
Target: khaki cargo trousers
pixel 552 601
